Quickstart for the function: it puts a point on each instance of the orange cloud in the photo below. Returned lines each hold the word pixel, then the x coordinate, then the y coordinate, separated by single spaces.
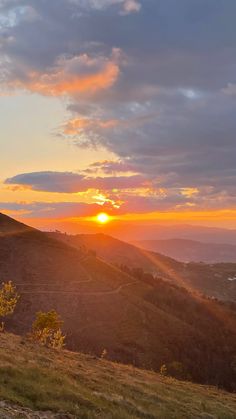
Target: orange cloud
pixel 81 74
pixel 77 125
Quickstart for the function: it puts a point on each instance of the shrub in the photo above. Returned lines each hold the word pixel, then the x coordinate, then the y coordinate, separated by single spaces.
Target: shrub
pixel 46 330
pixel 8 301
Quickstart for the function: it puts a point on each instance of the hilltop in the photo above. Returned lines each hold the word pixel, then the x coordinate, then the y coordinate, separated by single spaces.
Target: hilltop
pixel 142 321
pixel 10 226
pixel 72 385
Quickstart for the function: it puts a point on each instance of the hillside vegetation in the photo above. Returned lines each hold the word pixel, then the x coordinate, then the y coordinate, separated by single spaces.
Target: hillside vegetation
pixel 86 387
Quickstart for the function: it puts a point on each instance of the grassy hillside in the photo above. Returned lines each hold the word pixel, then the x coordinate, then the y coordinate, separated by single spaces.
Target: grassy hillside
pixel 87 387
pixel 212 280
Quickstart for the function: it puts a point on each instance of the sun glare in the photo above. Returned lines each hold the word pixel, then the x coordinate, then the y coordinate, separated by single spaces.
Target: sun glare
pixel 103 218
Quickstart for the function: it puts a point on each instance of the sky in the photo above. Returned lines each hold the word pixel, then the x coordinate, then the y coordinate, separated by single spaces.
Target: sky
pixel 119 106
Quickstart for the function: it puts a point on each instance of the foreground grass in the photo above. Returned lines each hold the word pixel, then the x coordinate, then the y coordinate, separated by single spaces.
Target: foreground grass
pixel 86 387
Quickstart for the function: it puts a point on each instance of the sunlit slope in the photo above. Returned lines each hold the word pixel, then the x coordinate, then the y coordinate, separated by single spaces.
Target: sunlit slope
pixel 212 280
pixel 145 323
pixel 86 387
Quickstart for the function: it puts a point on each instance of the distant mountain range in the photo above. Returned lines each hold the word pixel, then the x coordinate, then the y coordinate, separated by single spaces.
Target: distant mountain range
pixel 132 231
pixel 191 251
pixel 139 319
pixel 187 232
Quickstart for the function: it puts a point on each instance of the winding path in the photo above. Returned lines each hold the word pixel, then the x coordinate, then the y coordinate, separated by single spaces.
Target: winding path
pixel 75 292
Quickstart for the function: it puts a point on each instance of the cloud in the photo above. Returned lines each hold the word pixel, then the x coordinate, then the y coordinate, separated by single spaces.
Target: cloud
pixel 128 6
pixel 131 6
pixel 79 125
pixel 70 76
pixel 111 167
pixel 128 203
pixel 230 89
pixel 53 210
pixel 118 203
pixel 151 81
pixel 189 141
pixel 84 125
pixel 66 182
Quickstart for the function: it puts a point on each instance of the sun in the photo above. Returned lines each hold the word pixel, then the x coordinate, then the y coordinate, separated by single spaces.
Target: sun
pixel 103 218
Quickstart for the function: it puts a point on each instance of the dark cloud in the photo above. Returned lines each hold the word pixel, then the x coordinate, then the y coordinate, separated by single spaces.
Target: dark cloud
pixel 54 209
pixel 66 182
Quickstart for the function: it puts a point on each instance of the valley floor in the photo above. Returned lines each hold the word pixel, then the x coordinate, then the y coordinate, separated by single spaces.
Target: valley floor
pixel 82 386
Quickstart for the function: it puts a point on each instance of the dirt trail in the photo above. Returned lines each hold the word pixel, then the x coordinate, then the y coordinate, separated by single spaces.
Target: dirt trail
pixel 75 292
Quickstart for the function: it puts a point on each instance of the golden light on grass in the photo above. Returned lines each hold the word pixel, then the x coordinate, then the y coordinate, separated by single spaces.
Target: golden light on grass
pixel 103 218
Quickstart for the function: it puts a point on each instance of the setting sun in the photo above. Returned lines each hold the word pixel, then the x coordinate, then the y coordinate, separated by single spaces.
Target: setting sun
pixel 103 218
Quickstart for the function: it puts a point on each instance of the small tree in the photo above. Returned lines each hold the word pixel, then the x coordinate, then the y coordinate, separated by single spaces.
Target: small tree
pixel 8 300
pixel 46 329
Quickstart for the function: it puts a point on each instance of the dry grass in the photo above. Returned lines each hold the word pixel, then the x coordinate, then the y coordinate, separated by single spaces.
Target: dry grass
pixel 87 387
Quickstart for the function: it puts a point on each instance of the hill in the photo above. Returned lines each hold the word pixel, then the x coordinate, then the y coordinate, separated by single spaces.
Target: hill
pixel 73 385
pixel 119 252
pixel 10 226
pixel 191 251
pixel 214 280
pixel 142 321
